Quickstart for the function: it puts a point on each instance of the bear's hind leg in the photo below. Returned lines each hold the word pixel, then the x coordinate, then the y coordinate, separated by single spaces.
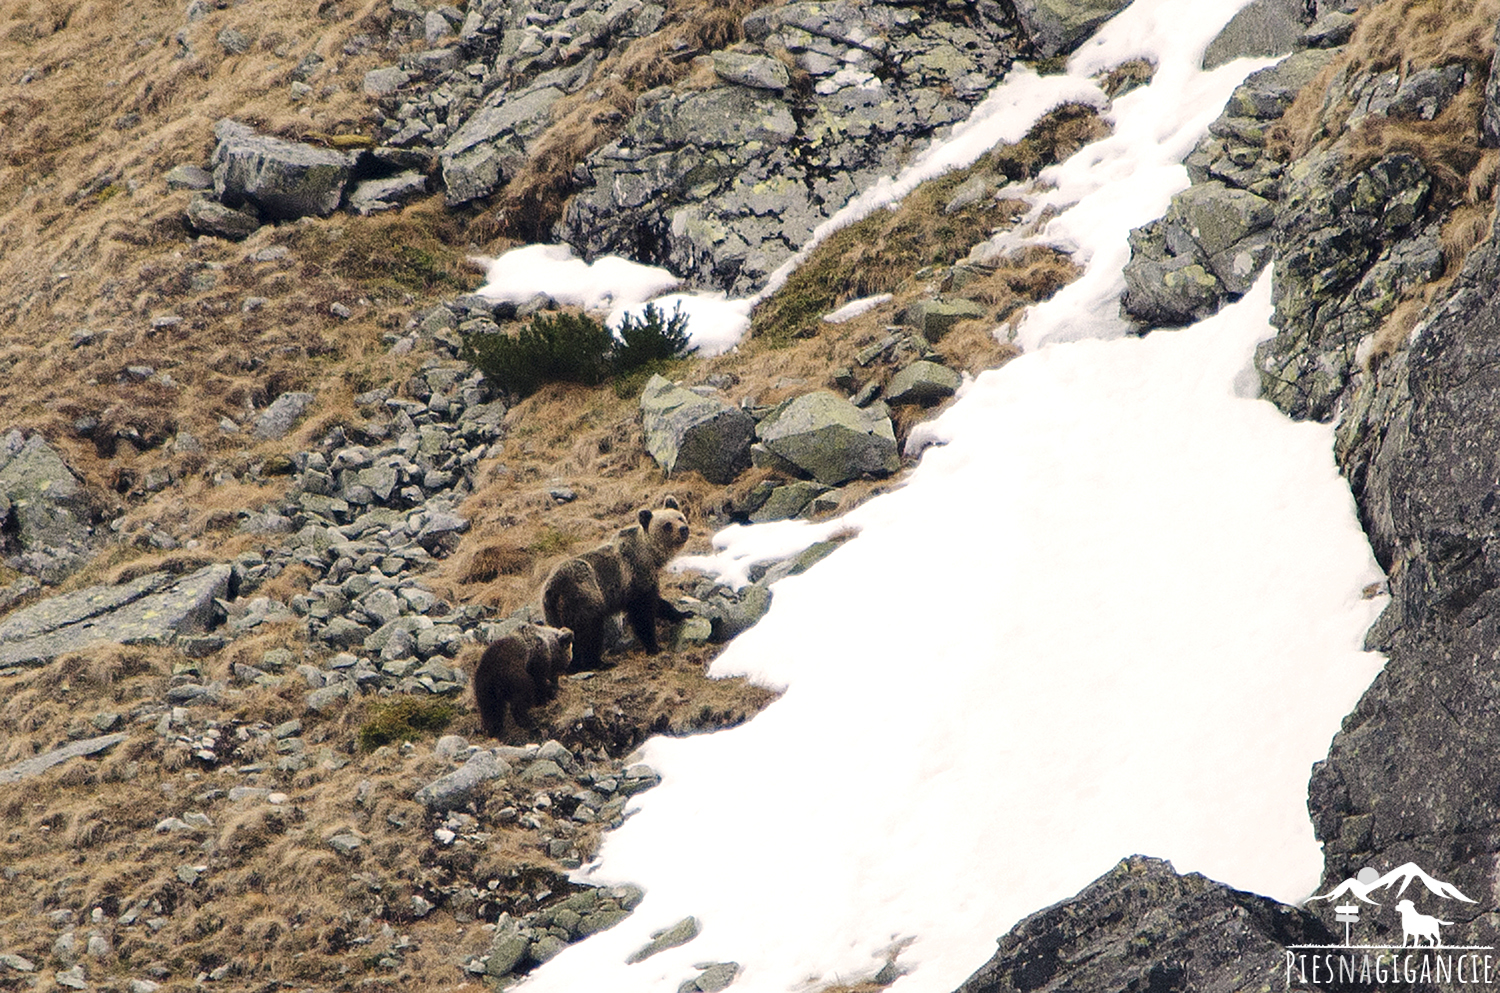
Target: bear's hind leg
pixel 642 615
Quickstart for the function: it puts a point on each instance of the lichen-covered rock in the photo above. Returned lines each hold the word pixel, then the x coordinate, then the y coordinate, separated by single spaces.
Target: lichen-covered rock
pixel 285 180
pixel 1141 926
pixel 828 438
pixel 755 71
pixel 1407 778
pixel 44 508
pixel 1332 235
pixel 492 144
pixel 689 432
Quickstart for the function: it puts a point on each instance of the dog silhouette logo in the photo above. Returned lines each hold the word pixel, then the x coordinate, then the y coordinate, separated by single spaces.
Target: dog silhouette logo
pixel 1415 925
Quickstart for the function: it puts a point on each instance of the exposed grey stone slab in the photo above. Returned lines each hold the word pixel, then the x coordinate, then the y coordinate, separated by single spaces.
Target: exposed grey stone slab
pixel 151 610
pixel 41 763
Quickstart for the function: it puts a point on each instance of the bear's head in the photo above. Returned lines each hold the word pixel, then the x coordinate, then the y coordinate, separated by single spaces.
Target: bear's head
pixel 559 645
pixel 666 529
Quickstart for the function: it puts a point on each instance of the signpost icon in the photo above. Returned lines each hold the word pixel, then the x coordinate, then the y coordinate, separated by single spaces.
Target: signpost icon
pixel 1349 914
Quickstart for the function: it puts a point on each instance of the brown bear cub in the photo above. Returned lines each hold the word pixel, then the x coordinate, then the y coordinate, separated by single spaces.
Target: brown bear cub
pixel 520 669
pixel 622 574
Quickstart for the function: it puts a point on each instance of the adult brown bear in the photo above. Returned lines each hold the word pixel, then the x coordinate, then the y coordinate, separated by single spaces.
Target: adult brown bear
pixel 521 670
pixel 623 574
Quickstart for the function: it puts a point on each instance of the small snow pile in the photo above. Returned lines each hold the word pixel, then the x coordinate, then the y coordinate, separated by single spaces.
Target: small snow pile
pixel 854 308
pixel 1118 611
pixel 522 273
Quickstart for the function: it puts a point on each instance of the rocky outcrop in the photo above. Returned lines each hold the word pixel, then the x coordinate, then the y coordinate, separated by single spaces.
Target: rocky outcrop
pixel 154 609
pixel 1143 927
pixel 726 183
pixel 1217 235
pixel 45 515
pixel 1407 778
pixel 690 432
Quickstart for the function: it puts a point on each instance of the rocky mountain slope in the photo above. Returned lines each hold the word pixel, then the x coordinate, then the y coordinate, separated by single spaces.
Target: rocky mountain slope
pixel 260 511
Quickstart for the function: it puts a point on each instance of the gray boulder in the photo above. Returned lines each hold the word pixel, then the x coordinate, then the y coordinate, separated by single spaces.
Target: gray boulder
pixel 1058 26
pixel 276 420
pixel 189 177
pixel 285 180
pixel 44 508
pixel 935 318
pixel 755 71
pixel 786 502
pixel 371 196
pixel 922 383
pixel 1260 29
pixel 154 609
pixel 207 216
pixel 688 432
pixel 491 145
pixel 828 438
pixel 455 788
pixel 1210 246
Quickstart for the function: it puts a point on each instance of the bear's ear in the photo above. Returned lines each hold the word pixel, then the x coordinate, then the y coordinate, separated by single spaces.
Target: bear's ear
pixel 645 518
pixel 670 503
pixel 565 637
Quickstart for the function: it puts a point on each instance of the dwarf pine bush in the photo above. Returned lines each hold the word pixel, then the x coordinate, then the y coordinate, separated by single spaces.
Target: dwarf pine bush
pixel 575 348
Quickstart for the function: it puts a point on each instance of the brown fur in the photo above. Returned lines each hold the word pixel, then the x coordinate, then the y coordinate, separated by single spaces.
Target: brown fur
pixel 521 670
pixel 620 575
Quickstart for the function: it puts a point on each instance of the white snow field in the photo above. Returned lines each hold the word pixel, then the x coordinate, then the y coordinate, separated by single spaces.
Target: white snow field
pixel 1116 609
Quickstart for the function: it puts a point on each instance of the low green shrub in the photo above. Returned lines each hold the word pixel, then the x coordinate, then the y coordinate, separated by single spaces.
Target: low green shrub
pixel 653 337
pixel 575 348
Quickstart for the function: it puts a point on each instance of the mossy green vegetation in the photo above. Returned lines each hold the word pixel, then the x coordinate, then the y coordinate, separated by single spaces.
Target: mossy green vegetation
pixel 406 718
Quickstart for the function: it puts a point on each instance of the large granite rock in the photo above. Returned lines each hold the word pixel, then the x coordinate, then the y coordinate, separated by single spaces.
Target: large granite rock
pixel 828 438
pixel 44 510
pixel 1057 26
pixel 285 180
pixel 1144 928
pixel 1261 28
pixel 688 432
pixel 154 609
pixel 492 145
